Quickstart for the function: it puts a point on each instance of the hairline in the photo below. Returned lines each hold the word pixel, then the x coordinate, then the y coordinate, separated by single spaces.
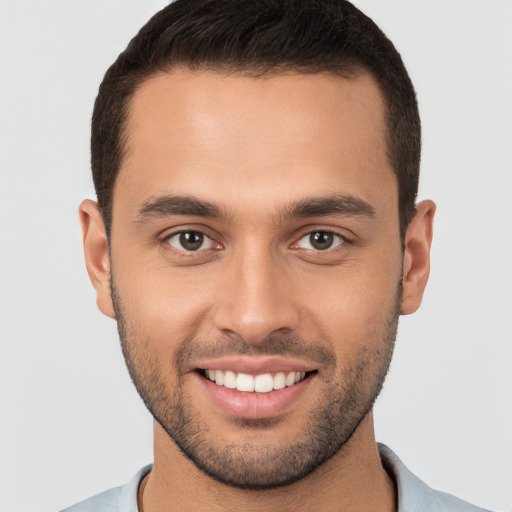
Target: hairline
pixel 352 71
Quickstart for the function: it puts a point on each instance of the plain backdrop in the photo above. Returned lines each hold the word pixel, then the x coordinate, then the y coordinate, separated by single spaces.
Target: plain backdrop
pixel 71 423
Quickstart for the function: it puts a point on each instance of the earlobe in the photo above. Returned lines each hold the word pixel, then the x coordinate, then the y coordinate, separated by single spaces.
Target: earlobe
pixel 96 254
pixel 416 261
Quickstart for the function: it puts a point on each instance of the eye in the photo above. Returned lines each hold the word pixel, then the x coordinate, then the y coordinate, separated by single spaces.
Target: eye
pixel 320 241
pixel 191 241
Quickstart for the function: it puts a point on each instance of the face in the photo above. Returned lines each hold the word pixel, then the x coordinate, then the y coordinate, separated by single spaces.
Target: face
pixel 256 266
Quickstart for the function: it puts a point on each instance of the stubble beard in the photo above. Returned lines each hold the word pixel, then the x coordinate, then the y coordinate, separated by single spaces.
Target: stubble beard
pixel 347 399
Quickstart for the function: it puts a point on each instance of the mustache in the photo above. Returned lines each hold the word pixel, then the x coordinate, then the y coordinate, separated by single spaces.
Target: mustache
pixel 272 345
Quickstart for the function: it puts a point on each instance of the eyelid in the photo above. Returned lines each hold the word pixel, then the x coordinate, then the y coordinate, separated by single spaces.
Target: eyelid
pixel 165 240
pixel 344 235
pixel 214 244
pixel 336 243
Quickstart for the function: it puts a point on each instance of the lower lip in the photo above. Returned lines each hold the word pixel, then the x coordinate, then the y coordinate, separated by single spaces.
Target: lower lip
pixel 255 405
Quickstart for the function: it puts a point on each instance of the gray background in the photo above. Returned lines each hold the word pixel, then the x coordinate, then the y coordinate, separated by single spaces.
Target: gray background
pixel 70 422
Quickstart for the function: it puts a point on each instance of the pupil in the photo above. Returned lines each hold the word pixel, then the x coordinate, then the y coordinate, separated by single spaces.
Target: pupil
pixel 321 240
pixel 191 240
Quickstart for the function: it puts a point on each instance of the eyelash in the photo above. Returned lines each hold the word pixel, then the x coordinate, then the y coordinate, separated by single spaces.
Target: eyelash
pixel 338 239
pixel 185 252
pixel 341 240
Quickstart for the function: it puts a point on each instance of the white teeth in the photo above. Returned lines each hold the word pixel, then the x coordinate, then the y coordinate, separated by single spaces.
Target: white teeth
pixel 245 382
pixel 230 380
pixel 290 379
pixel 279 381
pixel 218 377
pixel 263 383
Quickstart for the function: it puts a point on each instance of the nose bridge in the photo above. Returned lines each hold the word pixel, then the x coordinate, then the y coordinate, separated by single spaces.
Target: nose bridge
pixel 255 302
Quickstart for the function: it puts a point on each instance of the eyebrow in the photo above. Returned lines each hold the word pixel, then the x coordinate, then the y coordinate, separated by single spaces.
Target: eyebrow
pixel 166 206
pixel 337 204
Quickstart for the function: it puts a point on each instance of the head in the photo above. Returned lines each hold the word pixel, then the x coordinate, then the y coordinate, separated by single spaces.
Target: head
pixel 256 238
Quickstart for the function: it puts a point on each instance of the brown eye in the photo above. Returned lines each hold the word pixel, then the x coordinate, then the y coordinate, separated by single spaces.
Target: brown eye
pixel 190 241
pixel 320 241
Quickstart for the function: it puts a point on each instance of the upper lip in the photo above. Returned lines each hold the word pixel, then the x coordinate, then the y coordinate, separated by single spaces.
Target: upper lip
pixel 255 365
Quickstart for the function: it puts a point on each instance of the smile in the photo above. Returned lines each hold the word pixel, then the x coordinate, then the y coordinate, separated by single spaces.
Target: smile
pixel 257 394
pixel 262 383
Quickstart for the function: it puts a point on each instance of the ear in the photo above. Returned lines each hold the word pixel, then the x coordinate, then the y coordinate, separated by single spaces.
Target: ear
pixel 96 254
pixel 416 261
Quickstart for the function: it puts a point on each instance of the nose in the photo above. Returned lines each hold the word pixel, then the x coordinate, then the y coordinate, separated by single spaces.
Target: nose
pixel 256 298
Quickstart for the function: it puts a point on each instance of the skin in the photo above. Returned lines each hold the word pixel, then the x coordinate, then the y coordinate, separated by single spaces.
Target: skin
pixel 257 147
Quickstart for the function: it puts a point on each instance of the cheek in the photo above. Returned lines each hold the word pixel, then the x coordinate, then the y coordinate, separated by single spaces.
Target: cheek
pixel 354 308
pixel 159 305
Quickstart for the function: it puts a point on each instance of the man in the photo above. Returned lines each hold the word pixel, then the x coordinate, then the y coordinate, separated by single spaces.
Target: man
pixel 256 238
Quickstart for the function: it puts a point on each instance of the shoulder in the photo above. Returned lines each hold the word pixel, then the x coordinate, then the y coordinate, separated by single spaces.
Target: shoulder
pixel 416 496
pixel 118 499
pixel 107 501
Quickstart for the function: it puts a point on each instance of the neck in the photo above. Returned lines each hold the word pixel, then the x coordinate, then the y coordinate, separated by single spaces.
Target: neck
pixel 353 479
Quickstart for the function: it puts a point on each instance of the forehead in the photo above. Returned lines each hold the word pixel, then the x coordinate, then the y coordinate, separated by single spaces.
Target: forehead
pixel 231 136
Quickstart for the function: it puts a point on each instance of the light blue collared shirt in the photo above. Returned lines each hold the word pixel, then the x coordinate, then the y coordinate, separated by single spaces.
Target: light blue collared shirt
pixel 413 494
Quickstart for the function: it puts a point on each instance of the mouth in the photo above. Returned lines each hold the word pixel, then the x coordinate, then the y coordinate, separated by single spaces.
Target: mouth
pixel 261 383
pixel 253 392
